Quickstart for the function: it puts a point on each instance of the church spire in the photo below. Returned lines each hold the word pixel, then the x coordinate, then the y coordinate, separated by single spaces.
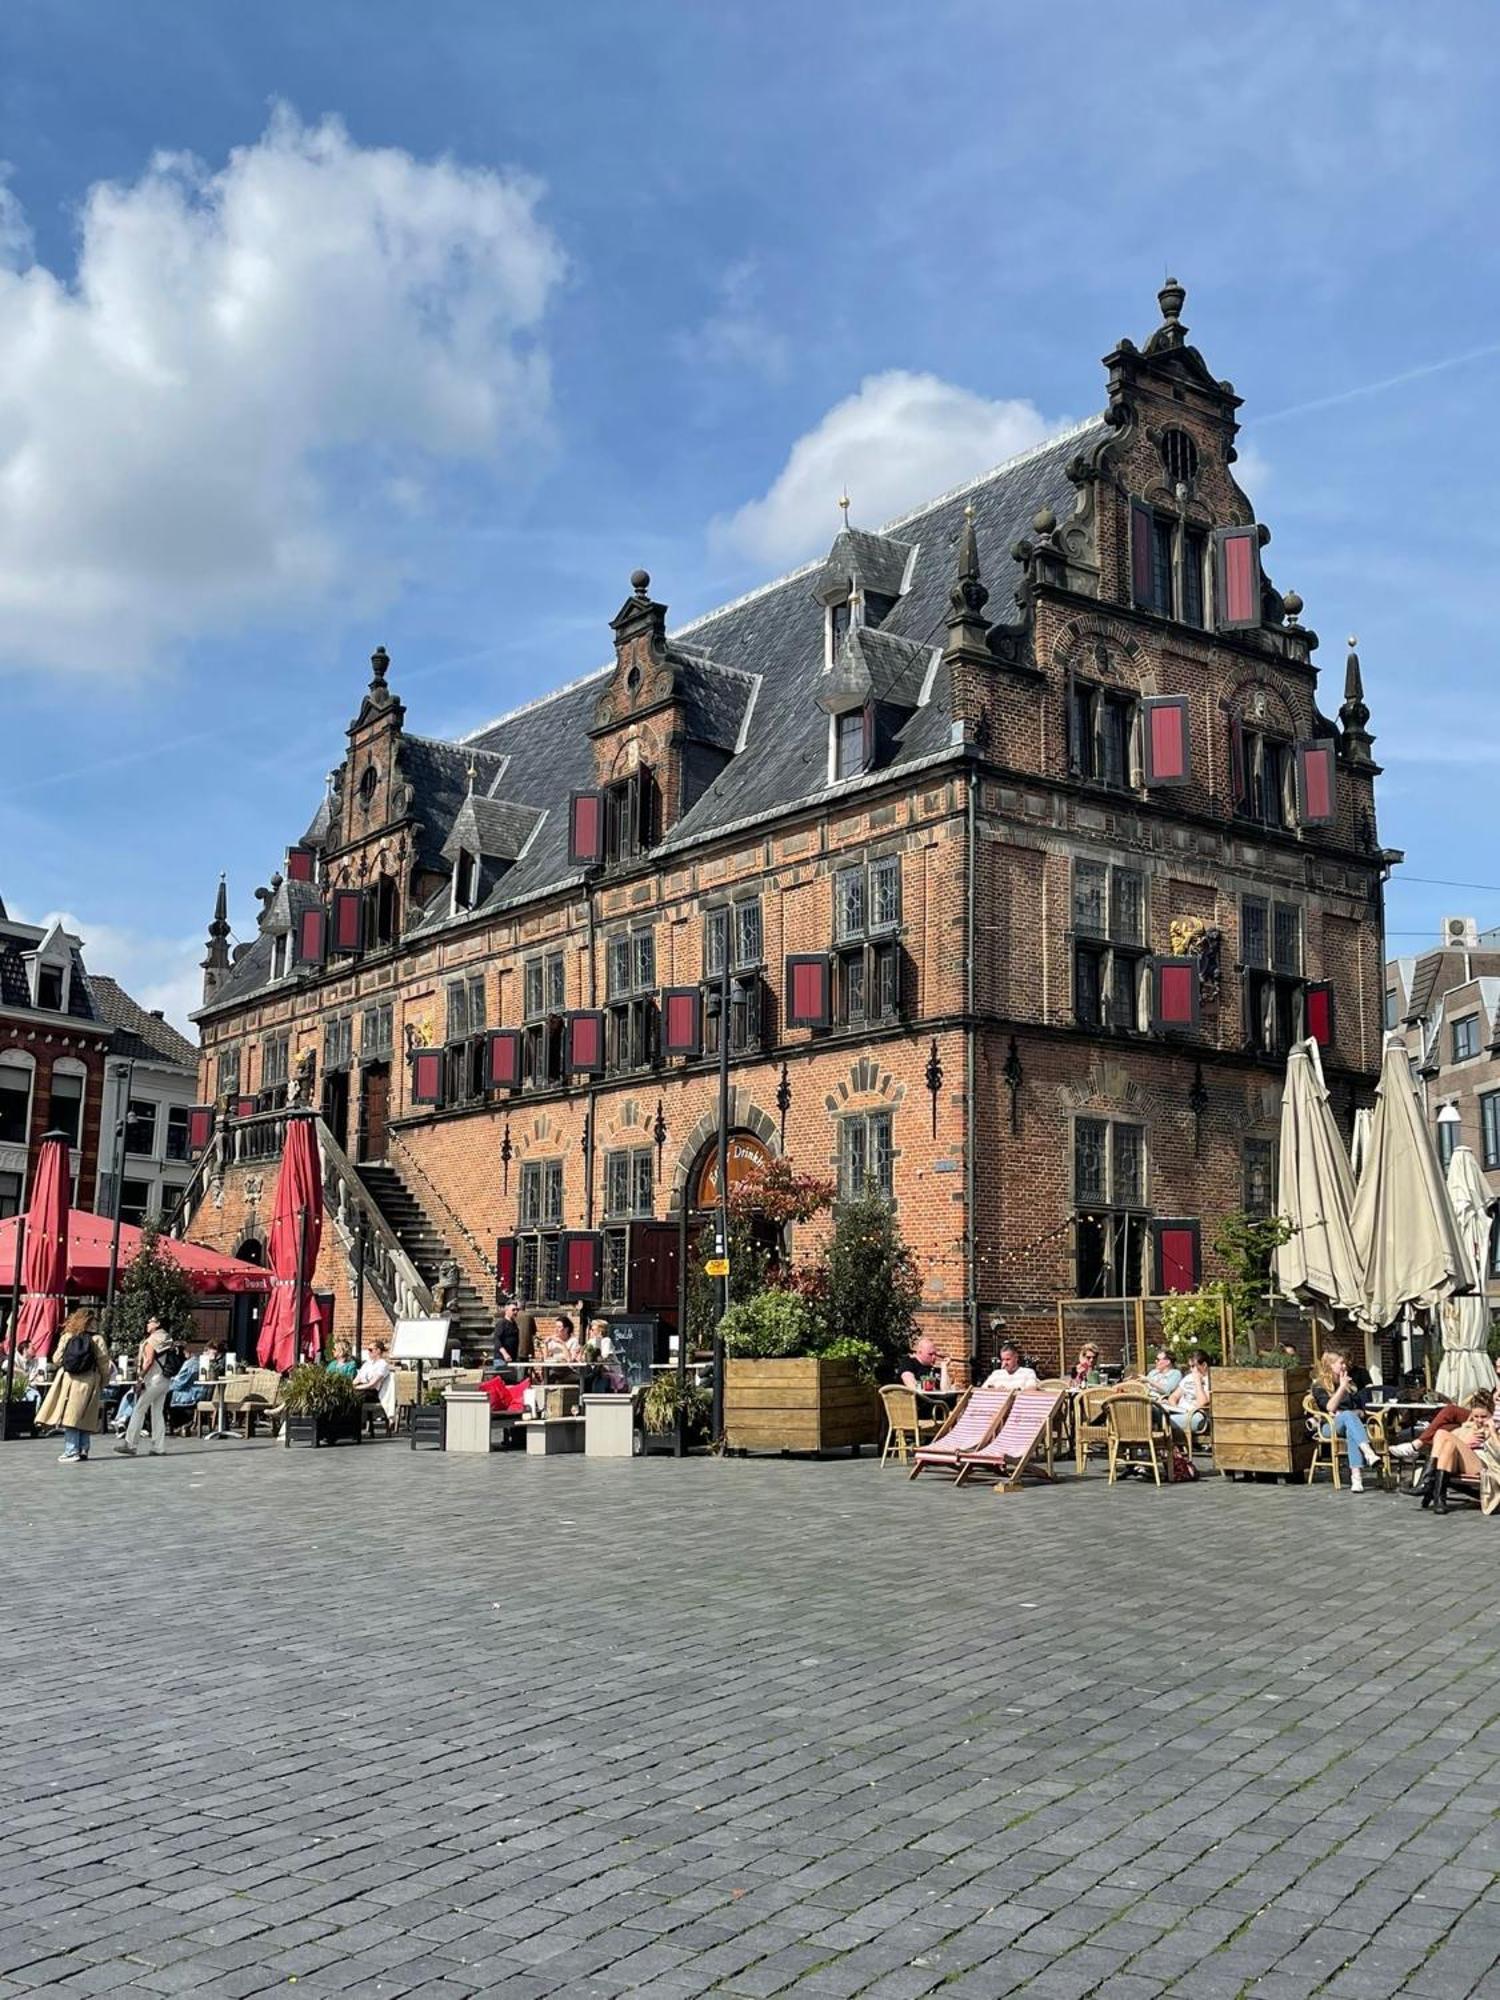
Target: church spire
pixel 216 963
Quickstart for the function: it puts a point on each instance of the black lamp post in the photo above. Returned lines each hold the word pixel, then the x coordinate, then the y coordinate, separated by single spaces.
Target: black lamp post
pixel 119 1192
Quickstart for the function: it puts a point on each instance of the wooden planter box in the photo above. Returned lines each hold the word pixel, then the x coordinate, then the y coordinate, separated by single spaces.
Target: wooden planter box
pixel 805 1405
pixel 428 1426
pixel 321 1430
pixel 20 1420
pixel 1258 1423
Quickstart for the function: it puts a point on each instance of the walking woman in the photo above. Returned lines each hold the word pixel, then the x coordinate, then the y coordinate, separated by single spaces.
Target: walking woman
pixel 72 1400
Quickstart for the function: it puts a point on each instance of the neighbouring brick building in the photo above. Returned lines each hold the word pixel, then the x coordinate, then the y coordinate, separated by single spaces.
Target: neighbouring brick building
pixel 1447 1003
pixel 1018 828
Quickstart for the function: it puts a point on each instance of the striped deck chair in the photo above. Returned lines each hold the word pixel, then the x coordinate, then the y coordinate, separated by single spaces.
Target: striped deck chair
pixel 1026 1431
pixel 971 1425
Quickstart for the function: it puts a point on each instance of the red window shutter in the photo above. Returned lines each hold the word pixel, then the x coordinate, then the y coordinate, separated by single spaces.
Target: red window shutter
pixel 1142 569
pixel 1174 995
pixel 1315 784
pixel 584 1043
pixel 1168 746
pixel 200 1127
pixel 582 1264
pixel 505 1265
pixel 502 1069
pixel 347 920
pixel 682 1021
pixel 1318 1012
pixel 1237 572
pixel 586 829
pixel 245 1107
pixel 312 936
pixel 1179 1256
pixel 427 1076
pixel 807 991
pixel 299 864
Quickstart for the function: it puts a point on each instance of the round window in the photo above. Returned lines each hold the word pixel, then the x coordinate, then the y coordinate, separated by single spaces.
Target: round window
pixel 367 784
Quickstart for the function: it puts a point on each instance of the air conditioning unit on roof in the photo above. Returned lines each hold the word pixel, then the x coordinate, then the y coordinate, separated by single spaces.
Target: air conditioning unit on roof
pixel 1460 932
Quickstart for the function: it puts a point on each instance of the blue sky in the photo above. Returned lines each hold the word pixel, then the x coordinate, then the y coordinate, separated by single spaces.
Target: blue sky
pixel 560 291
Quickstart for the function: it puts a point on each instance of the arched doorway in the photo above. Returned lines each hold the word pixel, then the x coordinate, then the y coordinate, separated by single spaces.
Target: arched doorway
pixel 244 1319
pixel 764 1240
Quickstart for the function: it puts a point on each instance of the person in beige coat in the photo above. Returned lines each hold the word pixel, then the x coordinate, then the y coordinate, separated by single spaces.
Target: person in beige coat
pixel 72 1398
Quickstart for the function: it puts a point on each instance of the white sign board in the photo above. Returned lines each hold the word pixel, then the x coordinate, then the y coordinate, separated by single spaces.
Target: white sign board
pixel 420 1339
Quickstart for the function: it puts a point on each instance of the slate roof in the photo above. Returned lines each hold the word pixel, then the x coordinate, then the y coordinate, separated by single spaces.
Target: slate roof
pixel 874 563
pixel 753 668
pixel 492 828
pixel 15 988
pixel 138 1033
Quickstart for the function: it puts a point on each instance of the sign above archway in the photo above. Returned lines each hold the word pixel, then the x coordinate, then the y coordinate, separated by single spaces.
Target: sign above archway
pixel 748 1158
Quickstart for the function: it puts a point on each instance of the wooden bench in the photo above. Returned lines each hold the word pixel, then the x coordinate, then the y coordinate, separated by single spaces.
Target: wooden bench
pixel 548 1436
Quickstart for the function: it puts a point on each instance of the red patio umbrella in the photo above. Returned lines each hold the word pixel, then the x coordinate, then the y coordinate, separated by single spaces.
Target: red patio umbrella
pixel 44 1262
pixel 88 1242
pixel 293 1325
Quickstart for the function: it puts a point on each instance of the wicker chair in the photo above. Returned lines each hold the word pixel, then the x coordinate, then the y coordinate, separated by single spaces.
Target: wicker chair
pixel 1134 1435
pixel 906 1429
pixel 1090 1431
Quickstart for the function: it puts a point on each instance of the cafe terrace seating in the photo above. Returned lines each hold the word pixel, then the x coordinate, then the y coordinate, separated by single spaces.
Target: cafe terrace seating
pixel 906 1429
pixel 1027 1429
pixel 1136 1435
pixel 969 1429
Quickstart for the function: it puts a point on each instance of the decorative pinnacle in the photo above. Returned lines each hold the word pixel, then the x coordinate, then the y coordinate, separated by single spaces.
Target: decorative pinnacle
pixel 640 582
pixel 380 666
pixel 968 596
pixel 844 506
pixel 1044 520
pixel 1292 605
pixel 473 767
pixel 1171 298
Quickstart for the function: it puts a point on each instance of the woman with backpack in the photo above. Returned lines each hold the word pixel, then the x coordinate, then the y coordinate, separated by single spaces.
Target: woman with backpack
pixel 73 1396
pixel 157 1362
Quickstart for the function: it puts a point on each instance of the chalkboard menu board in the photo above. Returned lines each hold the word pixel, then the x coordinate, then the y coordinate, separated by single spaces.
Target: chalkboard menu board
pixel 637 1337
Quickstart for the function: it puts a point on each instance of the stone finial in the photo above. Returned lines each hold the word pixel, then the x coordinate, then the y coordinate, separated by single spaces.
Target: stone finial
pixel 1291 603
pixel 640 583
pixel 1171 298
pixel 1354 716
pixel 380 666
pixel 968 596
pixel 1044 520
pixel 216 961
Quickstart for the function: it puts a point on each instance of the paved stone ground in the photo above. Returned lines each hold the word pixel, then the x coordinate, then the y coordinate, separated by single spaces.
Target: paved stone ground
pixel 379 1722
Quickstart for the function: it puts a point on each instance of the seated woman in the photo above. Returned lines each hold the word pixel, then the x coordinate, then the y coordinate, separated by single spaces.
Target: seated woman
pixel 1448 1418
pixel 1187 1405
pixel 1455 1454
pixel 343 1362
pixel 1086 1367
pixel 1341 1400
pixel 376 1382
pixel 1163 1377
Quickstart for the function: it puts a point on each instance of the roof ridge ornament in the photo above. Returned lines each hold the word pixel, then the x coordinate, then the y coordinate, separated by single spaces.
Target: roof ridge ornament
pixel 1354 716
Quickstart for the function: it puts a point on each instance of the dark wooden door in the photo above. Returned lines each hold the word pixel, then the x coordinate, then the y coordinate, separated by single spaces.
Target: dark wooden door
pixel 374 1109
pixel 654 1264
pixel 336 1105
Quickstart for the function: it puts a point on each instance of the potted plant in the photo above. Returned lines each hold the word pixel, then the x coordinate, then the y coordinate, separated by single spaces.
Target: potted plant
pixel 1258 1422
pixel 20 1411
pixel 428 1420
pixel 659 1407
pixel 321 1408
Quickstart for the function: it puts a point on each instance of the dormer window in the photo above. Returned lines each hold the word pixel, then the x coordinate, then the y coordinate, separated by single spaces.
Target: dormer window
pixel 839 618
pixel 281 954
pixel 1102 735
pixel 49 973
pixel 465 880
pixel 629 816
pixel 1168 564
pixel 852 746
pixel 49 988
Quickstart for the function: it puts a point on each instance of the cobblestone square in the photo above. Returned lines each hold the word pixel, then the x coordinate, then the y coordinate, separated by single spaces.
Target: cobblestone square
pixel 382 1722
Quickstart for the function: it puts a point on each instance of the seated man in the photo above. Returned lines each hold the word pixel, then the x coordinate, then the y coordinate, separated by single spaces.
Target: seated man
pixel 1012 1372
pixel 1163 1377
pixel 188 1389
pixel 921 1370
pixel 376 1382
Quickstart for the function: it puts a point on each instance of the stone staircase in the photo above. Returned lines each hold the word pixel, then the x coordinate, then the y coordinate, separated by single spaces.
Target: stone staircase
pixel 473 1316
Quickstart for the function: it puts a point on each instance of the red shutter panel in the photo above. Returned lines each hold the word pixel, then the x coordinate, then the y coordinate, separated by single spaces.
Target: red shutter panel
pixel 200 1127
pixel 1179 1256
pixel 584 1043
pixel 312 936
pixel 586 829
pixel 502 1063
pixel 427 1077
pixel 505 1265
pixel 682 1021
pixel 582 1265
pixel 1142 568
pixel 1174 995
pixel 1315 784
pixel 807 991
pixel 299 864
pixel 1237 574
pixel 1168 749
pixel 347 920
pixel 245 1107
pixel 1318 1012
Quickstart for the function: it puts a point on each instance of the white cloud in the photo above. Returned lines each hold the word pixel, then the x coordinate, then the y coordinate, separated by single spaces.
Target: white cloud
pixel 737 333
pixel 1252 471
pixel 175 419
pixel 154 971
pixel 900 439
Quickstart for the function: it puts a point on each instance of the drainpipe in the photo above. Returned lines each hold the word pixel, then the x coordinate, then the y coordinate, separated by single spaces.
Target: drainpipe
pixel 588 1126
pixel 971 1276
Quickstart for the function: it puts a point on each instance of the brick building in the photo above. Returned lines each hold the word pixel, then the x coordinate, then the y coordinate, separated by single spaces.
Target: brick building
pixel 1447 1003
pixel 1016 824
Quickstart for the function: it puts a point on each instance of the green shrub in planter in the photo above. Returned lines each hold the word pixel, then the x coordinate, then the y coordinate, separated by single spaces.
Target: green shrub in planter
pixel 773 1326
pixel 660 1408
pixel 310 1391
pixel 864 1354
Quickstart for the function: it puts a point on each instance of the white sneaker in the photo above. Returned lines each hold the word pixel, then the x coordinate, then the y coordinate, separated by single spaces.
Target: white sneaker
pixel 70 1458
pixel 1369 1454
pixel 1356 1482
pixel 1403 1451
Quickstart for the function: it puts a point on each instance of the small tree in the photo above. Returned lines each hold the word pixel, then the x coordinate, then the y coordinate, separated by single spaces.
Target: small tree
pixel 874 1287
pixel 151 1286
pixel 1245 1245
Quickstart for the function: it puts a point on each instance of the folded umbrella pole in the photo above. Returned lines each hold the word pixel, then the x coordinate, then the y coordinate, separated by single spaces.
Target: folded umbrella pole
pixel 1465 1320
pixel 1319 1265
